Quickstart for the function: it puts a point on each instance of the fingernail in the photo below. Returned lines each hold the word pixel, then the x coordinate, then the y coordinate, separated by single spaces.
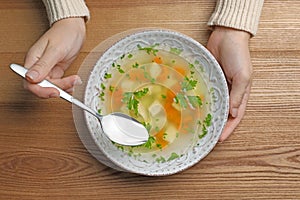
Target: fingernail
pixel 78 81
pixel 32 75
pixel 234 112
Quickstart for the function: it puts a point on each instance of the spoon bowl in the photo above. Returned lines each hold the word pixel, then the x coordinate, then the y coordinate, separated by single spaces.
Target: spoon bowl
pixel 118 127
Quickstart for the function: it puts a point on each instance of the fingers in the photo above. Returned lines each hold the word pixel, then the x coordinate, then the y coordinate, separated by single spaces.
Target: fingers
pixel 41 68
pixel 233 122
pixel 66 84
pixel 239 86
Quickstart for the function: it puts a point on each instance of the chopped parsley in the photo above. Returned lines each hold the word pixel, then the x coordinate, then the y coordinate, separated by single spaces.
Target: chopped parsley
pixel 130 98
pixel 102 86
pixel 181 100
pixel 176 51
pixel 150 49
pixel 135 65
pixel 195 101
pixel 111 88
pixel 188 84
pixel 107 75
pixel 150 142
pixel 208 119
pixel 173 156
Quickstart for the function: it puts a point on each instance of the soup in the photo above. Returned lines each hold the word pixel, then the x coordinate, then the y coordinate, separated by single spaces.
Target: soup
pixel 163 91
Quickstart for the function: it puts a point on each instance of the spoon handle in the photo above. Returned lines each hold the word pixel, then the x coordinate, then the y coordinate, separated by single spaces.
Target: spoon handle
pixel 64 95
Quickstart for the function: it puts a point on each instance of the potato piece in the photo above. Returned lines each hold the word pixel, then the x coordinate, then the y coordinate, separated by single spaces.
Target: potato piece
pixel 170 133
pixel 155 108
pixel 143 112
pixel 158 115
pixel 154 70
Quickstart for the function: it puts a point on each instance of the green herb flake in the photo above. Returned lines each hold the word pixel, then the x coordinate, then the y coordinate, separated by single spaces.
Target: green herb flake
pixel 181 99
pixel 150 49
pixel 133 105
pixel 141 93
pixel 123 56
pixel 163 96
pixel 165 135
pixel 159 146
pixel 130 98
pixel 195 101
pixel 120 69
pixel 102 86
pixel 99 111
pixel 173 156
pixel 204 132
pixel 192 66
pixel 176 51
pixel 160 159
pixel 208 119
pixel 135 65
pixel 130 55
pixel 150 142
pixel 111 88
pixel 101 96
pixel 107 75
pixel 188 84
pixel 148 126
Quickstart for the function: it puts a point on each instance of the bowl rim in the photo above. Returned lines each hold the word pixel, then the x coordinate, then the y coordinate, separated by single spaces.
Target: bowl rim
pixel 226 100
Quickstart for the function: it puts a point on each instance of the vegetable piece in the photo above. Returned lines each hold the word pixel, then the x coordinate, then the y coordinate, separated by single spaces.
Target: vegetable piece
pixel 208 119
pixel 158 115
pixel 170 134
pixel 180 70
pixel 150 142
pixel 173 115
pixel 150 49
pixel 160 138
pixel 157 59
pixel 117 96
pixel 188 84
pixel 173 156
pixel 154 70
pixel 195 101
pixel 180 98
pixel 107 75
pixel 130 98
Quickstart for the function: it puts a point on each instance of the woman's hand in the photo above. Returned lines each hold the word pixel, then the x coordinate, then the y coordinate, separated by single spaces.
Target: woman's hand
pixel 52 54
pixel 231 49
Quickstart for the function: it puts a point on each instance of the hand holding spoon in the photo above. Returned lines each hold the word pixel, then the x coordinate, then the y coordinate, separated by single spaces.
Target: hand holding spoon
pixel 118 127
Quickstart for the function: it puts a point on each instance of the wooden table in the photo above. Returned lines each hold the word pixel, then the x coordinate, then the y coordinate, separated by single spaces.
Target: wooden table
pixel 41 155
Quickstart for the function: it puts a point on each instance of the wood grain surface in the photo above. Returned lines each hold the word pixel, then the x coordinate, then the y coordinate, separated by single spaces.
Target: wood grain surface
pixel 42 157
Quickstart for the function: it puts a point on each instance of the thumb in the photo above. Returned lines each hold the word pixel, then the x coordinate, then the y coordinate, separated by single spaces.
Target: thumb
pixel 41 68
pixel 238 89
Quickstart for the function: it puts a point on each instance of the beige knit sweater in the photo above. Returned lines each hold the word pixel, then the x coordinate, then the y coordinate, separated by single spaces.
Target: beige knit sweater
pixel 238 14
pixel 61 9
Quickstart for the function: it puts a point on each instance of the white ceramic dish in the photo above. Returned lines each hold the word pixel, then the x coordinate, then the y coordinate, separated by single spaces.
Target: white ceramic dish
pixel 213 77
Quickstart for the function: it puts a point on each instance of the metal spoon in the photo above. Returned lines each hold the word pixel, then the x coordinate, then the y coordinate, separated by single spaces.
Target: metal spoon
pixel 118 127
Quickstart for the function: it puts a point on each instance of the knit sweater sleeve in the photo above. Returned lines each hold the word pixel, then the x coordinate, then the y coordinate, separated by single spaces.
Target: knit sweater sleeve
pixel 238 14
pixel 61 9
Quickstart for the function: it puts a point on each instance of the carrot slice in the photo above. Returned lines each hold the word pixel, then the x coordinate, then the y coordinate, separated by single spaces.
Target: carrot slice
pixel 116 98
pixel 173 115
pixel 160 138
pixel 158 60
pixel 180 70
